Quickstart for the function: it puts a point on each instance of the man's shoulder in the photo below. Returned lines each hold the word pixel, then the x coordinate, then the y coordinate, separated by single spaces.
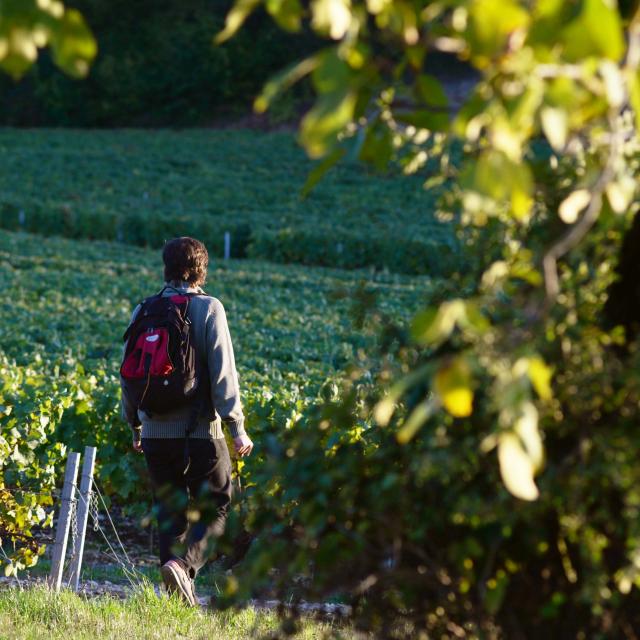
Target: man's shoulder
pixel 206 302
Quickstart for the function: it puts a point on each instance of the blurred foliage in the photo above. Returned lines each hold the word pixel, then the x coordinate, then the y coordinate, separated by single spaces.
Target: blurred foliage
pixel 26 26
pixel 157 65
pixel 477 477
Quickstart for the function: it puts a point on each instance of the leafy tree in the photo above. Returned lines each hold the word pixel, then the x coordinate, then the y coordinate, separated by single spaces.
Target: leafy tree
pixel 157 66
pixel 478 476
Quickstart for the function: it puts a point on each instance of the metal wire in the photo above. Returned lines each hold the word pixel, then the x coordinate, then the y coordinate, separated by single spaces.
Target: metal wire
pixel 74 527
pixel 8 559
pixel 93 509
pixel 113 526
pixel 130 572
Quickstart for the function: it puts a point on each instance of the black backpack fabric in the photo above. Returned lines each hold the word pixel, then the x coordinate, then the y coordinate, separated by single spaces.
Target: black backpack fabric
pixel 159 367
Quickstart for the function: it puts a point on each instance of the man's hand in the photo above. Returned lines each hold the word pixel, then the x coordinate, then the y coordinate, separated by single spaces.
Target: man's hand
pixel 137 440
pixel 243 445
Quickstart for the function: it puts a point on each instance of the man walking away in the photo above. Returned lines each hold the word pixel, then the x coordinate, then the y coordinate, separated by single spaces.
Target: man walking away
pixel 179 384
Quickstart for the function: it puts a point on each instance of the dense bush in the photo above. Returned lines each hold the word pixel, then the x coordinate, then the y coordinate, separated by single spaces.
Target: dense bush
pixel 31 404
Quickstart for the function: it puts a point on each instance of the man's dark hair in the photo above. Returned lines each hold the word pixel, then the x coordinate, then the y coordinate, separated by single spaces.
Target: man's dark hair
pixel 185 260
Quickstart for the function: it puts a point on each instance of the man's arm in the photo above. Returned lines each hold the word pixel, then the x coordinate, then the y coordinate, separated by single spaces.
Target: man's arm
pixel 225 391
pixel 128 411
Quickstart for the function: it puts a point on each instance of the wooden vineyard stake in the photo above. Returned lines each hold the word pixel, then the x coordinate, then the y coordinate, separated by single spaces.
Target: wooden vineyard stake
pixel 64 517
pixel 84 501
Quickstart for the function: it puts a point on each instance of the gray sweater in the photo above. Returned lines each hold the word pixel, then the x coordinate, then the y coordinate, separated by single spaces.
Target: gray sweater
pixel 215 351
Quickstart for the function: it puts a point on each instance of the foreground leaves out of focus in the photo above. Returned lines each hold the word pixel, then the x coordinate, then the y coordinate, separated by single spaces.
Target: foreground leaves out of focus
pixel 479 474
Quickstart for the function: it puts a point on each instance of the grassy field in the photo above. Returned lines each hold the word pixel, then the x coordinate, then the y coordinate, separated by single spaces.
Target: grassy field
pixel 38 613
pixel 142 187
pixel 292 328
pixel 78 296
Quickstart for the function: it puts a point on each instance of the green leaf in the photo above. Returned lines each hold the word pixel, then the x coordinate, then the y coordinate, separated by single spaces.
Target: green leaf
pixel 491 23
pixel 283 80
pixel 235 19
pixel 496 178
pixel 377 147
pixel 287 13
pixel 433 326
pixel 321 169
pixel 335 107
pixel 331 74
pixel 384 409
pixel 321 126
pixel 429 91
pixel 18 51
pixel 424 119
pixel 596 32
pixel 421 413
pixel 495 592
pixel 473 319
pixel 73 45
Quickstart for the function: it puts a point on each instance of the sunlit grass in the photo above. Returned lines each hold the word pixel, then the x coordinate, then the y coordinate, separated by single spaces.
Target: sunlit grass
pixel 38 612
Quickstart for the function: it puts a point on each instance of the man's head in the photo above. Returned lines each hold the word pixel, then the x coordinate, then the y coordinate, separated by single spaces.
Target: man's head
pixel 185 260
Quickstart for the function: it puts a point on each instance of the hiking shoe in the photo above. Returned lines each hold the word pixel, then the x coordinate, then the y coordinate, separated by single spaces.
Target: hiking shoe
pixel 177 580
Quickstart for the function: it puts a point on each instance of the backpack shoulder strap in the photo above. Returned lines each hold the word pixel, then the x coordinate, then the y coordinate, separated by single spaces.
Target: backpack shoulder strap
pixel 140 306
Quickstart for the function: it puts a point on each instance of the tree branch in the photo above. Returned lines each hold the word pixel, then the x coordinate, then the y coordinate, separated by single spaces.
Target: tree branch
pixel 580 229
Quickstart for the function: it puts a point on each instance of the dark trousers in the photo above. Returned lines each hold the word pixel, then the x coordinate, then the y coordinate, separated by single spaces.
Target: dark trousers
pixel 192 507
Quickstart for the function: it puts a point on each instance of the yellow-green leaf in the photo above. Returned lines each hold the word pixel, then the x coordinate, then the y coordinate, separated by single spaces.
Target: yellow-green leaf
pixel 452 383
pixel 555 124
pixel 540 376
pixel 620 193
pixel 384 409
pixel 573 204
pixel 235 19
pixel 433 326
pixel 287 13
pixel 526 427
pixel 491 23
pixel 321 126
pixel 320 170
pixel 331 17
pixel 283 80
pixel 516 468
pixel 73 45
pixel 597 31
pixel 416 419
pixel 496 180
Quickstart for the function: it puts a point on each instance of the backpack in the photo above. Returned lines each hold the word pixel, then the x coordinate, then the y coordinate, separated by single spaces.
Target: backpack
pixel 159 367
